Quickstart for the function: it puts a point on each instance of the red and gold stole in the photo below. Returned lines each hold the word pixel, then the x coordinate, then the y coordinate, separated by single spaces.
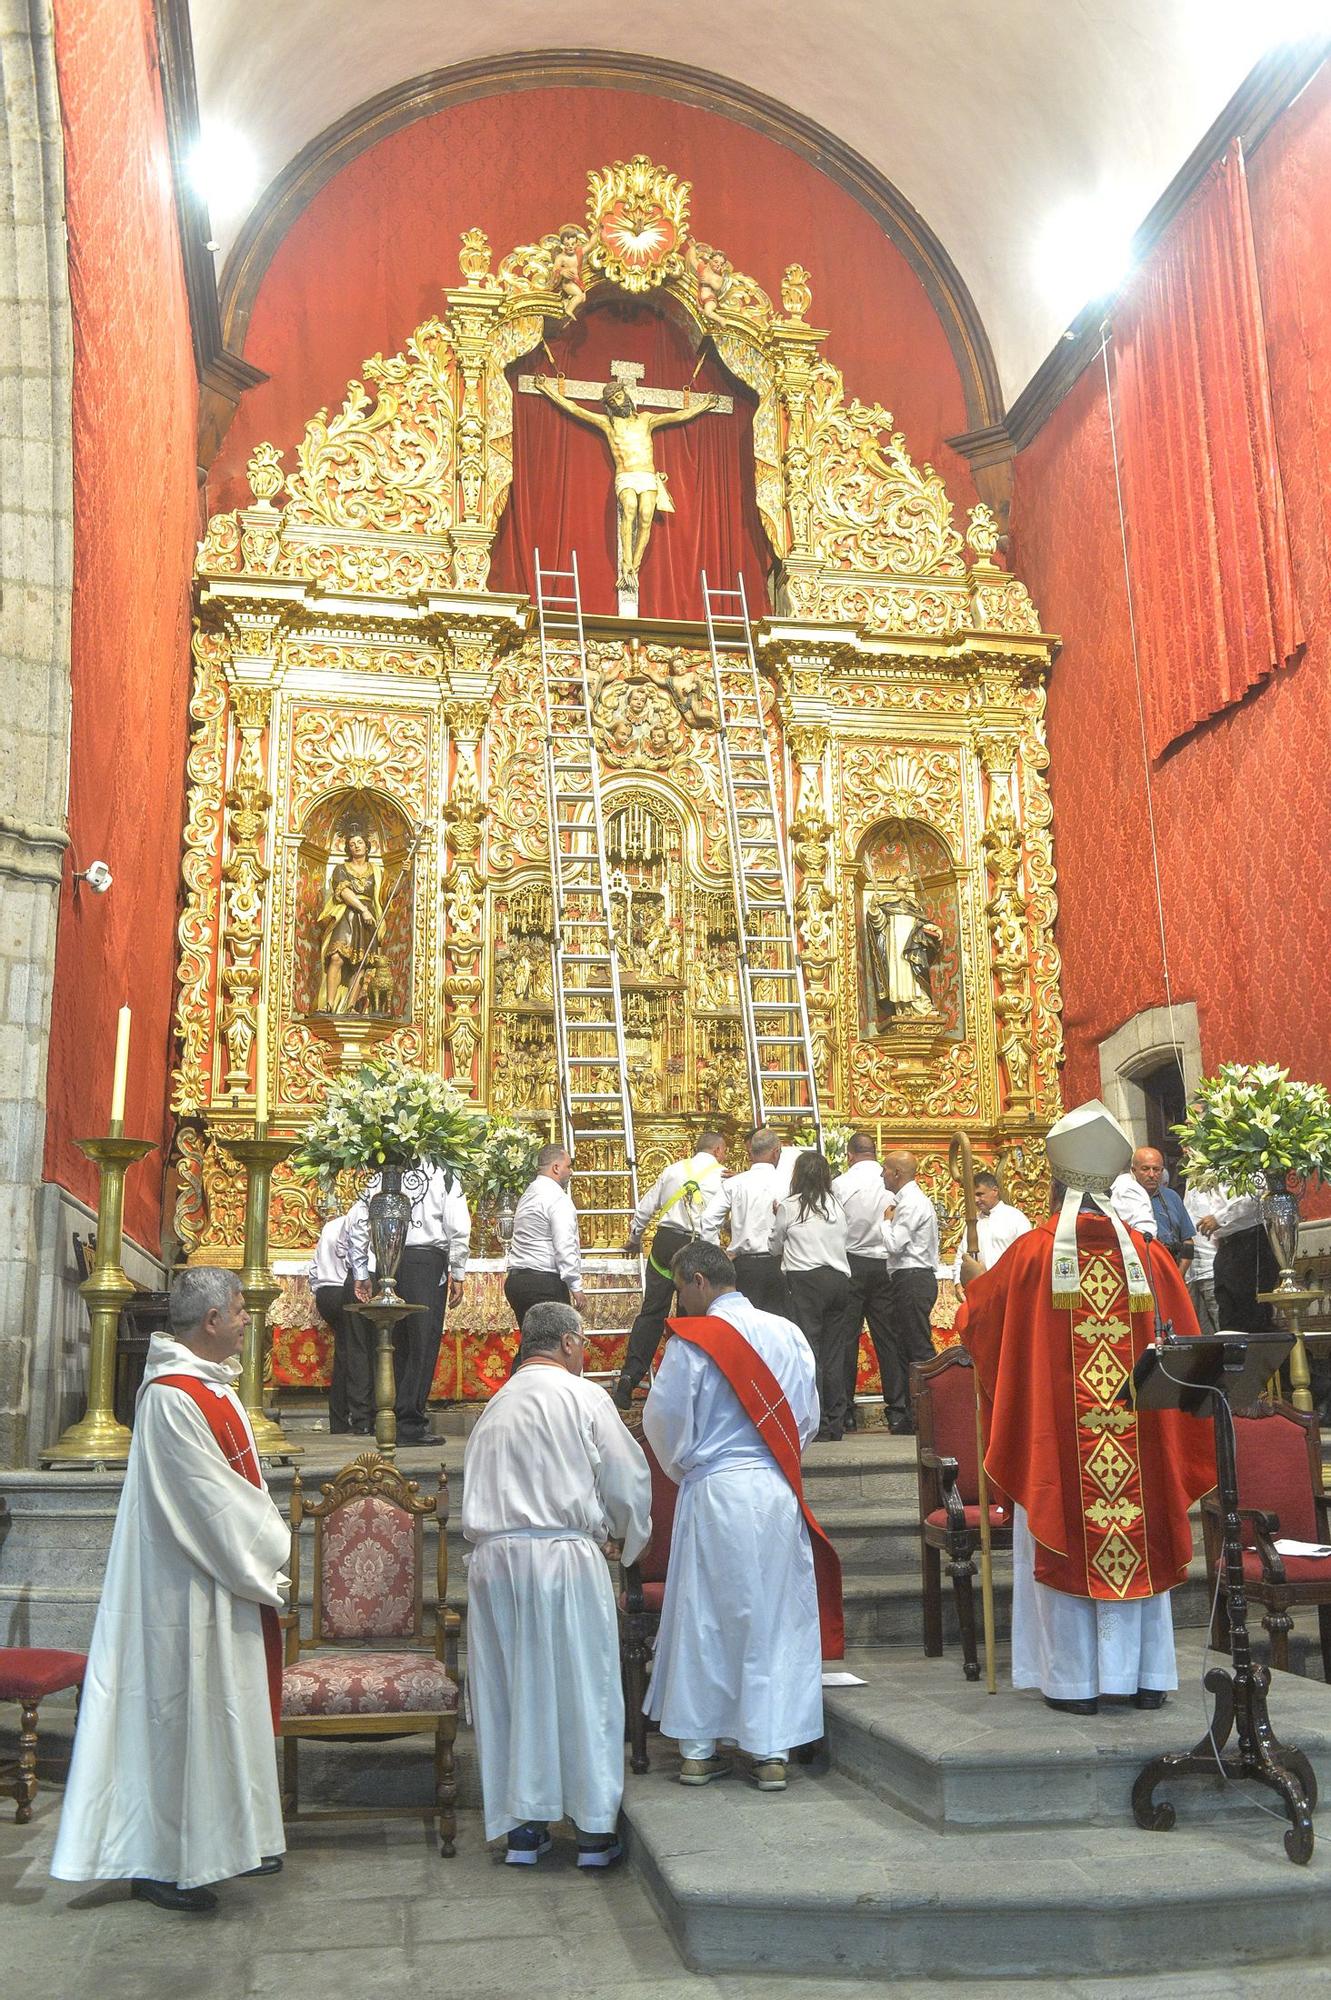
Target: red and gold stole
pixel 763 1400
pixel 233 1441
pixel 1108 1444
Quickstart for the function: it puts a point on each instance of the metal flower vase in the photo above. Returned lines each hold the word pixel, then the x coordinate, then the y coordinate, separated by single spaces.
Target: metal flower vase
pixel 1280 1213
pixel 390 1217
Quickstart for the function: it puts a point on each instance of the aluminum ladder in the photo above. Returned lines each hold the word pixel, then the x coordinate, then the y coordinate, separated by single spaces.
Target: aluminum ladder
pixel 596 1115
pixel 773 1004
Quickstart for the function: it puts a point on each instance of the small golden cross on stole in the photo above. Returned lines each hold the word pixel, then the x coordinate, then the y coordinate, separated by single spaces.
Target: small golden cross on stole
pixel 640 490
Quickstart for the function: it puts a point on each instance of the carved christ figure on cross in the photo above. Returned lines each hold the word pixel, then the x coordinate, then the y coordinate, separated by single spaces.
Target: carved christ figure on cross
pixel 640 490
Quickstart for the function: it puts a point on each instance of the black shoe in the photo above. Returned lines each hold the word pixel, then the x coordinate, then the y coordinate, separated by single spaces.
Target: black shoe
pixel 622 1394
pixel 270 1865
pixel 414 1434
pixel 168 1897
pixel 338 1430
pixel 1091 1707
pixel 362 1430
pixel 901 1427
pixel 1149 1698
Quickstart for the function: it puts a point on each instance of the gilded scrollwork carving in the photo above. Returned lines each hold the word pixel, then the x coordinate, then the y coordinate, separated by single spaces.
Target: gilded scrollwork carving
pixel 874 508
pixel 907 784
pixel 196 931
pixel 244 883
pixel 464 818
pixel 1005 909
pixel 383 749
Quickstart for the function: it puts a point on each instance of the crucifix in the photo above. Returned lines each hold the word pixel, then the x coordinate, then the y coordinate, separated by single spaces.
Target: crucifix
pixel 640 490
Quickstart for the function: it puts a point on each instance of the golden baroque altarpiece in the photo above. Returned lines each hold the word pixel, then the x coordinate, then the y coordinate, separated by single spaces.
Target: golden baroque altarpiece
pixel 366 757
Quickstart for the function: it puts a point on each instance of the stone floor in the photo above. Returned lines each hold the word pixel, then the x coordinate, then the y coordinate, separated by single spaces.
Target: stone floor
pixel 364 1909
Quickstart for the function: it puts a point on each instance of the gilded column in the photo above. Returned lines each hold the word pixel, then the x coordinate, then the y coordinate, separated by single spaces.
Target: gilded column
pixel 815 899
pixel 245 875
pixel 795 345
pixel 1005 912
pixel 473 314
pixel 464 818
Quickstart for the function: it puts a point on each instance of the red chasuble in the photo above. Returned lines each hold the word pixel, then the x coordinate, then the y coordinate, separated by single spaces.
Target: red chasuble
pixel 1106 1491
pixel 233 1441
pixel 763 1400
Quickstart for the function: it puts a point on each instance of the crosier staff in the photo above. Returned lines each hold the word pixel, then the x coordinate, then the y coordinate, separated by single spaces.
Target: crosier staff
pixel 963 1170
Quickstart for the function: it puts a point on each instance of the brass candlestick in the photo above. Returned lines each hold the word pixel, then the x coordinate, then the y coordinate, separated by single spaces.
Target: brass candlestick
pixel 1291 1304
pixel 259 1155
pixel 385 1310
pixel 99 1438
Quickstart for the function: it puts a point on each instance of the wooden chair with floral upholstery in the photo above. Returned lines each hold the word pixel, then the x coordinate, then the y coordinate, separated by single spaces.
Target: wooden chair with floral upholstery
pixel 368 1667
pixel 943 1395
pixel 1278 1451
pixel 641 1596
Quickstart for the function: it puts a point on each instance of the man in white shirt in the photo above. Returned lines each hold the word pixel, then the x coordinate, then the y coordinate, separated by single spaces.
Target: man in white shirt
pixel 678 1199
pixel 997 1224
pixel 550 1476
pixel 545 1249
pixel 739 1653
pixel 1132 1204
pixel 1200 1203
pixel 1245 1263
pixel 174 1783
pixel 861 1194
pixel 746 1204
pixel 435 1255
pixel 910 1234
pixel 351 1391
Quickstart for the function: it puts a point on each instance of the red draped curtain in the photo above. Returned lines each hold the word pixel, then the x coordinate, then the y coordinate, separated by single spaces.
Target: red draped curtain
pixel 1208 546
pixel 563 481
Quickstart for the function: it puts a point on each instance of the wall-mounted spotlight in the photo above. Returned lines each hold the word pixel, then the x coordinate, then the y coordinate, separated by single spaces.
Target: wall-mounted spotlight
pixel 97 876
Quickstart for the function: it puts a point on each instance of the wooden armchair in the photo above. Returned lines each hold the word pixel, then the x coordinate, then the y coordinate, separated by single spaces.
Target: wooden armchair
pixel 943 1394
pixel 27 1675
pixel 367 1668
pixel 641 1596
pixel 1279 1455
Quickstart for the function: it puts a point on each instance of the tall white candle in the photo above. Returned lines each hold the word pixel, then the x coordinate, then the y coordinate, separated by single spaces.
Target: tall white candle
pixel 261 1065
pixel 121 1069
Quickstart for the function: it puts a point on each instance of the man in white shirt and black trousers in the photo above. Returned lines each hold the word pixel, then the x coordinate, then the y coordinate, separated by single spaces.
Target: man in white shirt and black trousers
pixel 351 1391
pixel 860 1192
pixel 678 1198
pixel 435 1255
pixel 545 1249
pixel 747 1202
pixel 910 1234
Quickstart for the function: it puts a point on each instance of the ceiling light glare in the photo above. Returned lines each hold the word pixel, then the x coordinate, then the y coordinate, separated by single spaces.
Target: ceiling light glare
pixel 224 170
pixel 1084 253
pixel 1293 20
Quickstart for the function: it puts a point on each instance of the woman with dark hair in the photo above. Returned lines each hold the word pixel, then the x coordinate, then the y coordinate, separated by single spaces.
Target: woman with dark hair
pixel 809 1236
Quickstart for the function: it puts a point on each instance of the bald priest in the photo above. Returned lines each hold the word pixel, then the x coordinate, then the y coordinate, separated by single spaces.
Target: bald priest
pixel 1100 1530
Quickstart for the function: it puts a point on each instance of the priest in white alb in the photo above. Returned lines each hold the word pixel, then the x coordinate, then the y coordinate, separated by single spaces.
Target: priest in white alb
pixel 550 1476
pixel 173 1783
pixel 1101 1533
pixel 753 1588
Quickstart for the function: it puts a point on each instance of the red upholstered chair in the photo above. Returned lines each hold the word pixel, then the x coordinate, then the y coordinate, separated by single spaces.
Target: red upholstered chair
pixel 27 1675
pixel 943 1393
pixel 640 1600
pixel 368 1667
pixel 1279 1455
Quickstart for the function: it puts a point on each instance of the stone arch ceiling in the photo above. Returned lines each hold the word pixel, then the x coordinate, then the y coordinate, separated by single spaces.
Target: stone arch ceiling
pixel 988 115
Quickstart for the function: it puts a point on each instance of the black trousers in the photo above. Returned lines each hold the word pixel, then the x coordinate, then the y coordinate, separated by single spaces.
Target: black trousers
pixel 420 1278
pixel 818 1307
pixel 1245 1264
pixel 762 1282
pixel 529 1288
pixel 351 1391
pixel 910 1300
pixel 866 1299
pixel 658 1297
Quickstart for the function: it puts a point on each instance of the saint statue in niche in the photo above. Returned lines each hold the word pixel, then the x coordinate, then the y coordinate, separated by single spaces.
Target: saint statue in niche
pixel 640 490
pixel 900 946
pixel 350 922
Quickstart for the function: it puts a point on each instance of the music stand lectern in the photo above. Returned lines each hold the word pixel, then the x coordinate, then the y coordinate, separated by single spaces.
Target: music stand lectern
pixel 1214 1375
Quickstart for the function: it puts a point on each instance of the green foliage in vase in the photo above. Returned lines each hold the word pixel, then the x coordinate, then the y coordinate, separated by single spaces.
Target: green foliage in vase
pixel 835 1146
pixel 1249 1121
pixel 387 1114
pixel 506 1163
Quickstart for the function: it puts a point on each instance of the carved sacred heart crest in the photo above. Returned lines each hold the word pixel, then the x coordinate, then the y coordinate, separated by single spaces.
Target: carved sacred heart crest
pixel 637 217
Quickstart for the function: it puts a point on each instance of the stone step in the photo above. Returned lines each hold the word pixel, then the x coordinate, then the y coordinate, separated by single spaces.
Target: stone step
pixel 944 1750
pixel 829 1879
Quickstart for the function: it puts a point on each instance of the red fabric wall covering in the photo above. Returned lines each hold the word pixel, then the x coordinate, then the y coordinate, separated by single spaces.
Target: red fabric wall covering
pixel 369 258
pixel 1245 838
pixel 135 520
pixel 1213 585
